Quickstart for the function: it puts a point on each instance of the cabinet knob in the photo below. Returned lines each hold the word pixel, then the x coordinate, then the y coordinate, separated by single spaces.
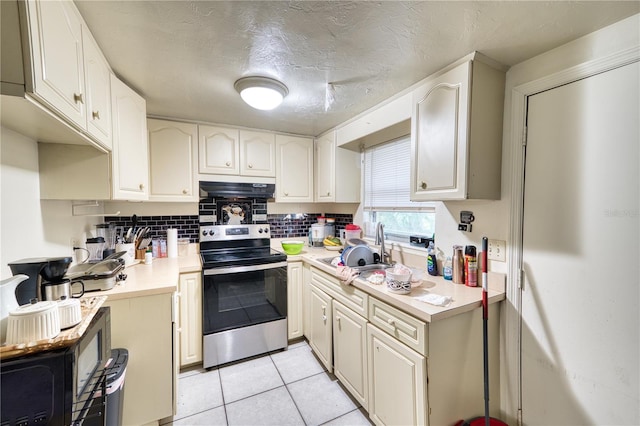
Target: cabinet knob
pixel 250 165
pixel 286 194
pixel 423 185
pixel 141 186
pixel 185 192
pixel 96 115
pixel 228 163
pixel 77 97
pixel 391 321
pixel 328 193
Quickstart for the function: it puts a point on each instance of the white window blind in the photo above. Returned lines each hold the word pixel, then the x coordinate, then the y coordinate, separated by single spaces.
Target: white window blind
pixel 387 174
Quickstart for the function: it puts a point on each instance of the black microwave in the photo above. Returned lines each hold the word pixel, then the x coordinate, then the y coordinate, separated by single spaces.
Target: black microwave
pixel 59 387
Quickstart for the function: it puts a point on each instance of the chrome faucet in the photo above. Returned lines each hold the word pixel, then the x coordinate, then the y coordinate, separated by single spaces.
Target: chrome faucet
pixel 384 256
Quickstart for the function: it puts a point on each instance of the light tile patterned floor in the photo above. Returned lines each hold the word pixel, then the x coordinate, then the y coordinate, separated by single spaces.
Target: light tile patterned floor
pixel 282 388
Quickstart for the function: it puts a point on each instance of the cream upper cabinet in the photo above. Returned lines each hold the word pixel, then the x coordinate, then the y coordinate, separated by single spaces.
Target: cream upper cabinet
pixel 219 150
pixel 294 300
pixel 98 92
pixel 294 169
pixel 57 60
pixel 228 151
pixel 173 157
pixel 456 135
pixel 397 381
pixel 68 73
pixel 337 171
pixel 130 157
pixel 257 153
pixel 190 327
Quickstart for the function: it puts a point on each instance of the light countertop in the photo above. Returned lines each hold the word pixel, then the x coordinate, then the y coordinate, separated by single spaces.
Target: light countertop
pixel 464 298
pixel 161 276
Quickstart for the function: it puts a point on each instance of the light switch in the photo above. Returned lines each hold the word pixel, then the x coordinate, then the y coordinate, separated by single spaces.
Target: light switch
pixel 497 250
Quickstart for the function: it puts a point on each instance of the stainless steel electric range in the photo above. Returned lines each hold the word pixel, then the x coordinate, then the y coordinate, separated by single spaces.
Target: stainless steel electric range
pixel 244 293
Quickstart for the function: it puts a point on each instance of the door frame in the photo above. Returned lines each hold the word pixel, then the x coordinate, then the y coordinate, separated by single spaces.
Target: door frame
pixel 517 140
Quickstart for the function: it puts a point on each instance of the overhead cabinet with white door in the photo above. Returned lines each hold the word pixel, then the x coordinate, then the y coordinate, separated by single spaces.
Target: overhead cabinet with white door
pixel 337 171
pixel 294 169
pixel 456 133
pixel 173 159
pixel 66 89
pixel 228 151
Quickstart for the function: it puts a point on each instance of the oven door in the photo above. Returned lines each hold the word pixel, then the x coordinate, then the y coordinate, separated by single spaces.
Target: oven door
pixel 237 297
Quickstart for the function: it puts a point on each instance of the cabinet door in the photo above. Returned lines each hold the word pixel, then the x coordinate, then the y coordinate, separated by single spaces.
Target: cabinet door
pixel 57 59
pixel 325 168
pixel 397 381
pixel 98 88
pixel 439 137
pixel 294 169
pixel 130 155
pixel 350 352
pixel 172 161
pixel 190 328
pixel 294 300
pixel 219 150
pixel 257 153
pixel 320 327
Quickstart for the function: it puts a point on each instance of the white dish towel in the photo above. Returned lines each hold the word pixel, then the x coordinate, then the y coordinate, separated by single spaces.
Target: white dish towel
pixel 435 299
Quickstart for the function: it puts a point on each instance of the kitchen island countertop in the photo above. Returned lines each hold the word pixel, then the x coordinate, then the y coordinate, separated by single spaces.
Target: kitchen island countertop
pixel 464 298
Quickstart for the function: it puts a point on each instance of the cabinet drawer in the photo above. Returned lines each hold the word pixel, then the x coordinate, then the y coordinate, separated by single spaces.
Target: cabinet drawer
pixel 407 329
pixel 349 296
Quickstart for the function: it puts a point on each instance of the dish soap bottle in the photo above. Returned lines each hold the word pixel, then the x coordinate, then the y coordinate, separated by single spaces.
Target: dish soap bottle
pixel 432 264
pixel 448 269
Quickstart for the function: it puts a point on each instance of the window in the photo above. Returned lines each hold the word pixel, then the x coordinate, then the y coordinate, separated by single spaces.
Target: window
pixel 387 191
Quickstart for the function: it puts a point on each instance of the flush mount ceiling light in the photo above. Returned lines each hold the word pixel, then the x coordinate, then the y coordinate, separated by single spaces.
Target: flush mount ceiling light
pixel 261 92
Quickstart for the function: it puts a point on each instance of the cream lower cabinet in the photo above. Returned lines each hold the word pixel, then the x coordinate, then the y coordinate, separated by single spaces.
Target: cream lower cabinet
pixel 350 352
pixel 190 317
pixel 295 319
pixel 143 326
pixel 397 381
pixel 173 161
pixel 320 325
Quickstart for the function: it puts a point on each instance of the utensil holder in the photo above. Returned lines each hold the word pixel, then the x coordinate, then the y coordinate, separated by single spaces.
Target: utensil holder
pixel 140 253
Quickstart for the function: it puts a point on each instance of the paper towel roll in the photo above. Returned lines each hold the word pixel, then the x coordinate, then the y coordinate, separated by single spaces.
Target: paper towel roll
pixel 172 242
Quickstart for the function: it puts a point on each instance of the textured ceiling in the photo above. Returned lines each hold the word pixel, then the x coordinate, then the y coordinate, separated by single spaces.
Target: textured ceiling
pixel 184 56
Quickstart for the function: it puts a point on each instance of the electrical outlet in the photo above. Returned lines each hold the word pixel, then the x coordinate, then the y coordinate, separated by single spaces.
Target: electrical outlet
pixel 497 250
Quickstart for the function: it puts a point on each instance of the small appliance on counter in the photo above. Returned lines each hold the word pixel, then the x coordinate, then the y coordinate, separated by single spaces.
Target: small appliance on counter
pixel 319 231
pixel 39 270
pixel 99 276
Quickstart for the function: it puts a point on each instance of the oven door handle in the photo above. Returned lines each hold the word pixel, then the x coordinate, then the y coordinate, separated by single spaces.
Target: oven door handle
pixel 249 268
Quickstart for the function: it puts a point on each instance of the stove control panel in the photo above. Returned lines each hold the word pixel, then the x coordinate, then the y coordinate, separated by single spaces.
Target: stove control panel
pixel 234 232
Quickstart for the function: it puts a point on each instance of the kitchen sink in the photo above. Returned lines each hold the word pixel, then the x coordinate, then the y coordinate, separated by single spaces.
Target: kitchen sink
pixel 370 267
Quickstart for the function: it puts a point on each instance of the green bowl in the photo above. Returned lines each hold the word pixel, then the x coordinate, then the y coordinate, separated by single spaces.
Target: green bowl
pixel 292 246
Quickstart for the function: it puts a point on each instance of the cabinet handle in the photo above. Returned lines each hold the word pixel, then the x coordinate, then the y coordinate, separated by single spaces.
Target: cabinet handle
pixel 391 321
pixel 338 320
pixel 78 98
pixel 250 166
pixel 423 185
pixel 328 193
pixel 184 191
pixel 96 115
pixel 228 163
pixel 286 194
pixel 141 186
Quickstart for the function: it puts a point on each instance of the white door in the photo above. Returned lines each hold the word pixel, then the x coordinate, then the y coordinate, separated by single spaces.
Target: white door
pixel 580 303
pixel 320 327
pixel 257 153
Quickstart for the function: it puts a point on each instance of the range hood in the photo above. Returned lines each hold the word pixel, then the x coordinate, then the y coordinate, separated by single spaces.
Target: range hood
pixel 237 190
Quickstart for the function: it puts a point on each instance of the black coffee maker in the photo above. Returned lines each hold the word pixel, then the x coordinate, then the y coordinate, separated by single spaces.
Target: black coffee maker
pixel 49 269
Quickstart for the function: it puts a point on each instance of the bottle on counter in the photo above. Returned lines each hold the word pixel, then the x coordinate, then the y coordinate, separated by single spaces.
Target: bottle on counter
pixel 447 269
pixel 432 263
pixel 470 266
pixel 457 265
